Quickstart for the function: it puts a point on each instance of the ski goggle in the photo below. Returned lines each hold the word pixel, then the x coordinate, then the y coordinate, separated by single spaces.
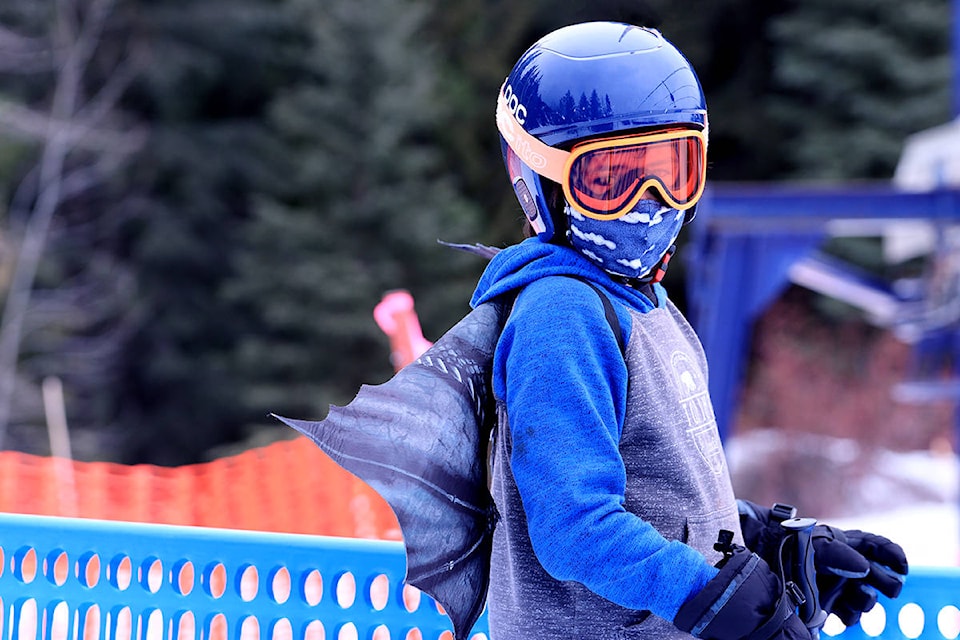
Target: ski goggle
pixel 605 178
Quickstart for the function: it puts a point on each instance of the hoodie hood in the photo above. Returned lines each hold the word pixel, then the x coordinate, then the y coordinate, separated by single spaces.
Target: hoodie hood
pixel 518 265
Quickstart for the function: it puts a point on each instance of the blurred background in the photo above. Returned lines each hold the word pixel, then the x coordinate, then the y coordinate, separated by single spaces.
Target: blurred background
pixel 202 201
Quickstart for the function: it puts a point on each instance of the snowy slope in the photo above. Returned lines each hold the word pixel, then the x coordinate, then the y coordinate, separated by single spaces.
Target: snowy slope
pixel 912 498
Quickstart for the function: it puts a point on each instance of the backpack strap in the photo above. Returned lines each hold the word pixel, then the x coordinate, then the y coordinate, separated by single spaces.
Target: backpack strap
pixel 610 314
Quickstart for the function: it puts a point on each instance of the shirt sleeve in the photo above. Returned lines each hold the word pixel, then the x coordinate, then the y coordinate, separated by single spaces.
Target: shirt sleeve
pixel 565 387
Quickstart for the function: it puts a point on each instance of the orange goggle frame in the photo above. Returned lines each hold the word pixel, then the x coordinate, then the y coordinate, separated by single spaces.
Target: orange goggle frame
pixel 605 178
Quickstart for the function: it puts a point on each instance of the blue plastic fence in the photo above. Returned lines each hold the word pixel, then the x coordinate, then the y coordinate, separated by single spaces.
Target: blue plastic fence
pixel 70 579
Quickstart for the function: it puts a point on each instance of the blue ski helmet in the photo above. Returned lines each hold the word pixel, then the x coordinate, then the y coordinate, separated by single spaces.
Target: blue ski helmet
pixel 587 80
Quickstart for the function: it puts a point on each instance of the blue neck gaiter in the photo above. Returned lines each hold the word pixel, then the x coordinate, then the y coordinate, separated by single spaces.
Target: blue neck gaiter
pixel 629 246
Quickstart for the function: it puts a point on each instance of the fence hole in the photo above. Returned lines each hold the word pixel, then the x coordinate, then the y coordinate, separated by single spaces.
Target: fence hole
pixel 250 628
pixel 249 583
pixel 120 624
pixel 58 621
pixel 378 592
pixel 411 598
pixel 874 621
pixel 346 590
pixel 910 619
pixel 25 564
pixel 91 623
pixel 120 572
pixel 282 630
pixel 182 577
pixel 314 631
pixel 56 567
pixel 88 569
pixel 214 579
pixel 280 585
pixel 948 622
pixel 833 626
pixel 27 621
pixel 186 627
pixel 153 625
pixel 150 574
pixel 348 632
pixel 216 628
pixel 312 587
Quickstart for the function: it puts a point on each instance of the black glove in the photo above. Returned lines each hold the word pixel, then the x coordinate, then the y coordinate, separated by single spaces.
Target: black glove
pixel 851 566
pixel 745 600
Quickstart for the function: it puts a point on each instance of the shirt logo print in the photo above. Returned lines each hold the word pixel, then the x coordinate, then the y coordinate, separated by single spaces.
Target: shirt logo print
pixel 698 410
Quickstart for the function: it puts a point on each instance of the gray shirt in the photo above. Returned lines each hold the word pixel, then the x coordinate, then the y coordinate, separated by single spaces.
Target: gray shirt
pixel 677 480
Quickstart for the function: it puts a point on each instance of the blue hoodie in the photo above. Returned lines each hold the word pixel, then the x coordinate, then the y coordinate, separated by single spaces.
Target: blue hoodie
pixel 560 373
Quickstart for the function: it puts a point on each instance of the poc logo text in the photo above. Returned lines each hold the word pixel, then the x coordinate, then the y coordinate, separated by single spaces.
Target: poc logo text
pixel 513 104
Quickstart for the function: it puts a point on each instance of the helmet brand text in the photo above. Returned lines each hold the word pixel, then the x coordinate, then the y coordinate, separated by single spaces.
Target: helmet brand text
pixel 508 122
pixel 513 104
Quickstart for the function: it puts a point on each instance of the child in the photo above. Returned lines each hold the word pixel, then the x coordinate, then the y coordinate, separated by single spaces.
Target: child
pixel 608 471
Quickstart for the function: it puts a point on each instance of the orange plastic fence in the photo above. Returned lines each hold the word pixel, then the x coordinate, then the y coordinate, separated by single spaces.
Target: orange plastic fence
pixel 286 487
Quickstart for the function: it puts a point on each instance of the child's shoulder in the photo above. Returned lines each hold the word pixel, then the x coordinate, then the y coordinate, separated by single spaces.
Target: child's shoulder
pixel 565 298
pixel 563 285
pixel 560 294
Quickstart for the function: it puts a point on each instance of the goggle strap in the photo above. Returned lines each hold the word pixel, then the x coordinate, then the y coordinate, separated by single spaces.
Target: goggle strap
pixel 547 161
pixel 551 162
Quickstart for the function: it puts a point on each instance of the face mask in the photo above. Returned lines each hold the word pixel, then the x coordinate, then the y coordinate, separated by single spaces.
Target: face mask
pixel 629 246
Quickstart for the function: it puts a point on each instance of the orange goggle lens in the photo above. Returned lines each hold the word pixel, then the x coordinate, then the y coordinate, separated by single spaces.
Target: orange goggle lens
pixel 604 179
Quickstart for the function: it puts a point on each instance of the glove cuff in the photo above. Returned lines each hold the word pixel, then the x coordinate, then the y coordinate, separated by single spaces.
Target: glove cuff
pixel 744 601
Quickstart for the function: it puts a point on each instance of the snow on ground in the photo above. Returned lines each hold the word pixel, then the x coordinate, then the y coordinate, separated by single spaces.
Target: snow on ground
pixel 912 498
pixel 928 530
pixel 928 533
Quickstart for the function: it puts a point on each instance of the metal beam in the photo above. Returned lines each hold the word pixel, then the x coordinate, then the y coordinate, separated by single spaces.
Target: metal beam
pixel 760 208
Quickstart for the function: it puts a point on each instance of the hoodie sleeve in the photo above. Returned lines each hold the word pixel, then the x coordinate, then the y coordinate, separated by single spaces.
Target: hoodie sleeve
pixel 564 381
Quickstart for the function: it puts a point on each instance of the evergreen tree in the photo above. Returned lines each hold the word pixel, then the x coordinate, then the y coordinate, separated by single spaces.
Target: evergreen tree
pixel 853 79
pixel 365 200
pixel 728 44
pixel 211 69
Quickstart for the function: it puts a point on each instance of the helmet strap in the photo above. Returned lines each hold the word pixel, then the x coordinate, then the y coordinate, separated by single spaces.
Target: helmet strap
pixel 656 275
